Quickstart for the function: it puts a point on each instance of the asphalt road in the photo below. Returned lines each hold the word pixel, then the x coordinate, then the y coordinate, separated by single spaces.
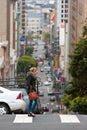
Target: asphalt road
pixel 43 122
pixel 45 100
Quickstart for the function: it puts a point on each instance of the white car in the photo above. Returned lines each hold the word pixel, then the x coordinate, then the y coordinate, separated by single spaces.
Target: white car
pixel 49 79
pixel 41 69
pixel 24 93
pixel 11 101
pixel 50 91
pixel 47 67
pixel 52 98
pixel 41 93
pixel 46 83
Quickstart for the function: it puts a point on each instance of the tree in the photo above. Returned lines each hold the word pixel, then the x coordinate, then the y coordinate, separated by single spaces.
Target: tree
pixel 29 50
pixel 30 37
pixel 24 63
pixel 46 36
pixel 78 66
pixel 78 71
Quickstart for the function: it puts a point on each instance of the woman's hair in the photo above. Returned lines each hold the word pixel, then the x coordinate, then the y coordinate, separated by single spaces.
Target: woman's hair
pixel 33 69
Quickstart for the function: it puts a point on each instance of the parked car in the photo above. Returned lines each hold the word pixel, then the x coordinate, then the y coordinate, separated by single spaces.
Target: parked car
pixel 40 63
pixel 11 101
pixel 46 83
pixel 47 67
pixel 55 109
pixel 41 69
pixel 50 91
pixel 38 109
pixel 41 93
pixel 24 93
pixel 52 98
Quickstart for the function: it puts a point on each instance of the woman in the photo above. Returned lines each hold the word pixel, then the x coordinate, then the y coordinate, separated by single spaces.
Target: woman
pixel 31 80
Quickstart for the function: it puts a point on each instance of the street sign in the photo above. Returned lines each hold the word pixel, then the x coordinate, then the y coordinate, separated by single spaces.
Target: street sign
pixel 23 39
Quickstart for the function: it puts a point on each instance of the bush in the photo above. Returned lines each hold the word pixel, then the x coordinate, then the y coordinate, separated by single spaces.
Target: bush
pixel 79 104
pixel 24 63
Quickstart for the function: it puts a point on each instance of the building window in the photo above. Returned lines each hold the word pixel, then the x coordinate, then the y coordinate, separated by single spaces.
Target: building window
pixel 62 1
pixel 61 6
pixel 61 11
pixel 66 15
pixel 66 6
pixel 66 10
pixel 61 20
pixel 66 1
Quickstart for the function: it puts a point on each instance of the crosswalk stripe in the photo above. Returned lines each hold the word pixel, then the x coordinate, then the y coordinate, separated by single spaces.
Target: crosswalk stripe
pixel 23 119
pixel 69 118
pixel 64 118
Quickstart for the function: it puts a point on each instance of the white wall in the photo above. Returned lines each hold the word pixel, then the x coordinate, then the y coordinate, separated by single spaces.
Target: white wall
pixel 61 34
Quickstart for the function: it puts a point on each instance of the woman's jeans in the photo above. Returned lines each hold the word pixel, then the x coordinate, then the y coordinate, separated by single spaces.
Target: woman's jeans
pixel 32 105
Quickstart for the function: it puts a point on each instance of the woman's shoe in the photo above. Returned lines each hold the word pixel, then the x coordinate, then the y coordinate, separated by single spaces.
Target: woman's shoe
pixel 31 114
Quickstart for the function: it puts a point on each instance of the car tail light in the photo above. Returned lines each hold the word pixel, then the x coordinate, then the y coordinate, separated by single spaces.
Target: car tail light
pixel 19 96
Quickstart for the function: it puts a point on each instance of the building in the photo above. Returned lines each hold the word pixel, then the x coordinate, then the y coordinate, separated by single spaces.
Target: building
pixel 7 37
pixel 61 32
pixel 35 23
pixel 77 18
pixel 78 15
pixel 23 13
pixel 73 15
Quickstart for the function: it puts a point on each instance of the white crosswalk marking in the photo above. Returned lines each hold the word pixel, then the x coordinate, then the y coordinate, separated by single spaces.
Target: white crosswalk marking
pixel 69 118
pixel 24 118
pixel 64 118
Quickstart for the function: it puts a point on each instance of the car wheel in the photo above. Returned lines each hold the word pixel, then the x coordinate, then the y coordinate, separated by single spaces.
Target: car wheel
pixel 4 109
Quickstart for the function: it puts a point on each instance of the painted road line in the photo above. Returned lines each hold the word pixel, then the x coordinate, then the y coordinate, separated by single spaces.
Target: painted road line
pixel 24 118
pixel 69 118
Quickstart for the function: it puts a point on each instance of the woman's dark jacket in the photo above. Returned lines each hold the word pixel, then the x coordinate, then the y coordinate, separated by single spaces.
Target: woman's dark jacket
pixel 31 81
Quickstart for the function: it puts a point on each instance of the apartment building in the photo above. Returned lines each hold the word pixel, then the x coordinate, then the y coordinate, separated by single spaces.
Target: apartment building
pixel 21 14
pixel 62 33
pixel 61 8
pixel 78 15
pixel 6 36
pixel 23 17
pixel 34 21
pixel 73 14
